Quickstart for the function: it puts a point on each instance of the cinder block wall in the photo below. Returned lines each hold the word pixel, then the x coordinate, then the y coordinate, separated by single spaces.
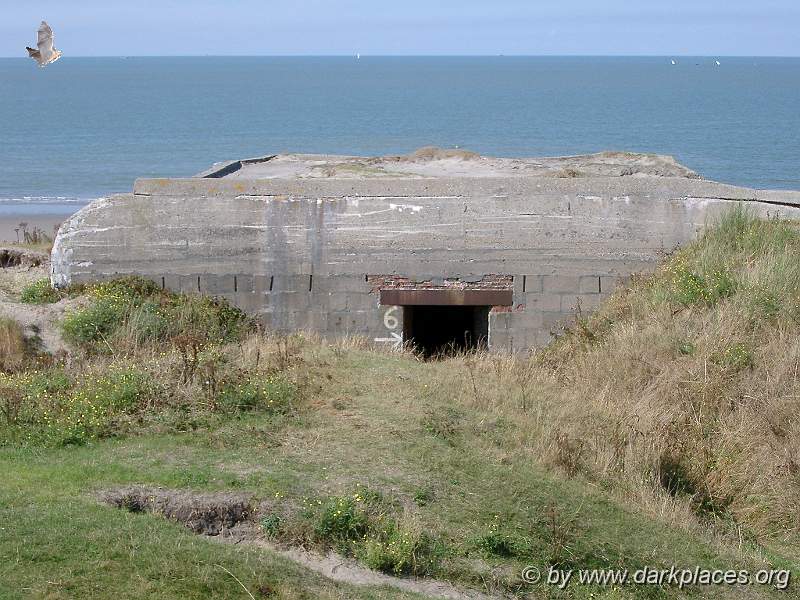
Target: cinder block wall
pixel 305 254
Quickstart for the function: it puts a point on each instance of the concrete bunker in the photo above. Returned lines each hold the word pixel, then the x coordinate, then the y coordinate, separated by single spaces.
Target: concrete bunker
pixel 434 248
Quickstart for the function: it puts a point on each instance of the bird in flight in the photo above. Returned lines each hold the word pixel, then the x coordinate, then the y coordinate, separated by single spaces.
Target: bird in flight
pixel 46 52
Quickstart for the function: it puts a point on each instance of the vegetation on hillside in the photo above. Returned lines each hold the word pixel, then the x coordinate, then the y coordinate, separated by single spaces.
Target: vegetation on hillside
pixel 660 431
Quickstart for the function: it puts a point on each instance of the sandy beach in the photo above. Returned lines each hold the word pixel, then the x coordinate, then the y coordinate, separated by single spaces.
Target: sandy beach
pixel 48 222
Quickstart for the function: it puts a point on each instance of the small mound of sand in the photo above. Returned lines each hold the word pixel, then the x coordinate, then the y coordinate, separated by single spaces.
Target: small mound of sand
pixel 429 153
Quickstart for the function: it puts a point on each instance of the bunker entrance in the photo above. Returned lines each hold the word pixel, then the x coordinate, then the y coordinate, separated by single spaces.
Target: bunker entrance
pixel 446 321
pixel 435 330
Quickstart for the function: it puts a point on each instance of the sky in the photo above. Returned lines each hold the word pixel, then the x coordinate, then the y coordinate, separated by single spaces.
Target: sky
pixel 406 27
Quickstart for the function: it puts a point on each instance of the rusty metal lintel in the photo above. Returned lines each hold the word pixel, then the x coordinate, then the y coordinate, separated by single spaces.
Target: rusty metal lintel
pixel 428 297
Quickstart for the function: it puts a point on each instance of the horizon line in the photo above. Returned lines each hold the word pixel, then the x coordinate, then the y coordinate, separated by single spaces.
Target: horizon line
pixel 367 55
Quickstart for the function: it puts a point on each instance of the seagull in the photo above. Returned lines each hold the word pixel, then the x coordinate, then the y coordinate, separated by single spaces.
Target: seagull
pixel 46 52
pixel 717 62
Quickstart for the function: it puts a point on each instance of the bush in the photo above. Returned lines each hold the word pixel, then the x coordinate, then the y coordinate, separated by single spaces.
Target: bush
pixel 343 521
pixel 131 312
pixel 400 550
pixel 87 327
pixel 40 292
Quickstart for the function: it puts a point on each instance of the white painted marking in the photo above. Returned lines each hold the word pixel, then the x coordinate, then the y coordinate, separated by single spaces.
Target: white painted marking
pixel 395 339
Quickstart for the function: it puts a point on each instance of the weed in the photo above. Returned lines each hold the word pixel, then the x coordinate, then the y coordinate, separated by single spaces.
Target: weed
pixel 735 357
pixel 271 393
pixel 497 542
pixel 40 292
pixel 271 525
pixel 445 423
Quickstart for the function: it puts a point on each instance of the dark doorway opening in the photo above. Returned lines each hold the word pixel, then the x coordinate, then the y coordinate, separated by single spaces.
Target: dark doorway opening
pixel 444 330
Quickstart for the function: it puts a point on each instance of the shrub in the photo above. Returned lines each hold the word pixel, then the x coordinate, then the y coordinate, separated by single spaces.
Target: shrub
pixel 127 313
pixel 343 520
pixel 400 550
pixel 87 327
pixel 690 284
pixel 496 541
pixel 40 292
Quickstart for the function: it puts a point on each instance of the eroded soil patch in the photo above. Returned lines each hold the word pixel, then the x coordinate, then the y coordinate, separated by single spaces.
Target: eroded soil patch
pixel 233 517
pixel 205 514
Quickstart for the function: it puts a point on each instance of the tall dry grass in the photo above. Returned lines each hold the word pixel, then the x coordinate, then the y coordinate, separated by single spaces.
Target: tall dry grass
pixel 13 347
pixel 681 393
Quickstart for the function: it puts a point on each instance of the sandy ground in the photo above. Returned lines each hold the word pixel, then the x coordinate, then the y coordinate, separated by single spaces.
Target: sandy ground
pixel 40 321
pixel 48 223
pixel 438 162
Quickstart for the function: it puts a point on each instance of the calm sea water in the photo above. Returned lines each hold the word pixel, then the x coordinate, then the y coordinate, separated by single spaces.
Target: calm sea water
pixel 88 127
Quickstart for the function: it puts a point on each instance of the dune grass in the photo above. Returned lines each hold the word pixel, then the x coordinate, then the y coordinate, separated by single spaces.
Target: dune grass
pixel 13 347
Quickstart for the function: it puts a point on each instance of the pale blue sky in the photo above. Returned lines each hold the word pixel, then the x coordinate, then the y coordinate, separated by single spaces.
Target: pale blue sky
pixel 267 27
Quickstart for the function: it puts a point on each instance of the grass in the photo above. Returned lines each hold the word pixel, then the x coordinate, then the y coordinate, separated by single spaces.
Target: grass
pixel 660 431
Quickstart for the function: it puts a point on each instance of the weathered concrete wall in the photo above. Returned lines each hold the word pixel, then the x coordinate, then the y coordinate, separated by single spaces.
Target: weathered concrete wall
pixel 305 254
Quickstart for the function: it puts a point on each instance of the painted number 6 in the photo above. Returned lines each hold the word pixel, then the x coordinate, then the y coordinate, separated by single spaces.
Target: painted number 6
pixel 390 320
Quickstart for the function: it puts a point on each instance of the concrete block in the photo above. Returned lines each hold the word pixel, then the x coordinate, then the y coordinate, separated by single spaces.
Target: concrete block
pixel 589 284
pixel 190 284
pixel 337 302
pixel 216 285
pixel 608 283
pixel 289 301
pixel 172 282
pixel 542 302
pixel 250 303
pixel 347 322
pixel 560 284
pixel 554 320
pixel 260 284
pixel 588 302
pixel 360 301
pixel 245 283
pixel 291 283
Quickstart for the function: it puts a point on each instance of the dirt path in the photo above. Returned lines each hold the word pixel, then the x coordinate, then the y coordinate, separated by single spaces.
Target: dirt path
pixel 345 570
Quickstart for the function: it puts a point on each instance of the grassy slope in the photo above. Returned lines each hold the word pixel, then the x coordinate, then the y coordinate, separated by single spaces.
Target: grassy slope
pixel 507 462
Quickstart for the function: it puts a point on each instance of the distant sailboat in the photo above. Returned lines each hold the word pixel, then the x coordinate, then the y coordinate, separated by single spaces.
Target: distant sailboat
pixel 717 63
pixel 673 62
pixel 358 56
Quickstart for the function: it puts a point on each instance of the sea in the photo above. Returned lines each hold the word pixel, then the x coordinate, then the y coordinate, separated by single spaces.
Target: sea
pixel 84 128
